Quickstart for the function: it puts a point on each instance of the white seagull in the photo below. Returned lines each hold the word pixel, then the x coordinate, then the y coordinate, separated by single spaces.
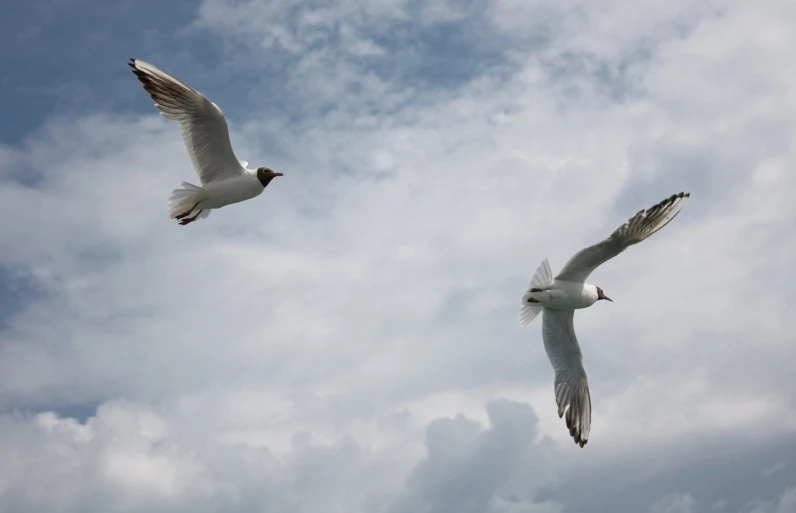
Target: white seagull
pixel 562 295
pixel 225 179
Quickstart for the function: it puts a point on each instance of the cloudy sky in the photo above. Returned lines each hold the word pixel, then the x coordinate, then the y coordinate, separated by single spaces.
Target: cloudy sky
pixel 348 342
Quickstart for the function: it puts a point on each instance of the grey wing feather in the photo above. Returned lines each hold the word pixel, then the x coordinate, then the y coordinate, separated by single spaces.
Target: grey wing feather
pixel 571 385
pixel 636 229
pixel 202 124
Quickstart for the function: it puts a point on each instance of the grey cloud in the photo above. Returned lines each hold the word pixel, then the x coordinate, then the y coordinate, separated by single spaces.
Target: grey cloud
pixel 130 457
pixel 783 504
pixel 17 288
pixel 674 503
pixel 467 468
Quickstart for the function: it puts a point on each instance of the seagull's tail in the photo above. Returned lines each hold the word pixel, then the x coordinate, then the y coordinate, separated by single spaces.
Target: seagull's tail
pixel 542 279
pixel 185 200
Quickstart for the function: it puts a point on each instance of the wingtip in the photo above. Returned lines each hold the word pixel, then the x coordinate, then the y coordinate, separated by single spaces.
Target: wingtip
pixel 682 197
pixel 577 438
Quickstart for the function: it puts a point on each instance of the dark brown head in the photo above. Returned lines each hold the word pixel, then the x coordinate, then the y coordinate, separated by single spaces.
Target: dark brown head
pixel 265 175
pixel 601 295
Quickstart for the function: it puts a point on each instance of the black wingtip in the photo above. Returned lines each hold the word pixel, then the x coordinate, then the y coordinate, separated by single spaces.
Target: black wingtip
pixel 577 439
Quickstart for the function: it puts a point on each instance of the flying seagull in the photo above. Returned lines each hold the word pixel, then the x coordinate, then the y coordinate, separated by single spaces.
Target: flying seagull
pixel 559 297
pixel 225 179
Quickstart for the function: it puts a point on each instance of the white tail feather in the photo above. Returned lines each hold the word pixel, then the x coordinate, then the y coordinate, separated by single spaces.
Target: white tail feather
pixel 542 279
pixel 543 276
pixel 183 200
pixel 528 312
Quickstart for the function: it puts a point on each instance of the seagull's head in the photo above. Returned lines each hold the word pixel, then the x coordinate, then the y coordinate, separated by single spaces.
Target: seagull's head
pixel 266 174
pixel 601 295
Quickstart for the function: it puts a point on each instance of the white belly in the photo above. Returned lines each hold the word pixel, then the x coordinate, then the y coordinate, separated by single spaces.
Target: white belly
pixel 233 190
pixel 567 295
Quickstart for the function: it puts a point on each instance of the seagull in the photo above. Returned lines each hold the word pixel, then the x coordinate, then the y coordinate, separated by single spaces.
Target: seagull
pixel 559 297
pixel 225 179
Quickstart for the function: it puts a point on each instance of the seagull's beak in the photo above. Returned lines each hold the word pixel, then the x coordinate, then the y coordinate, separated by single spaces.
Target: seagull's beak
pixel 278 174
pixel 608 298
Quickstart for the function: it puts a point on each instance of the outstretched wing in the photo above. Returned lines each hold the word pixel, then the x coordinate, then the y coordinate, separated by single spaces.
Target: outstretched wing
pixel 202 124
pixel 636 229
pixel 571 385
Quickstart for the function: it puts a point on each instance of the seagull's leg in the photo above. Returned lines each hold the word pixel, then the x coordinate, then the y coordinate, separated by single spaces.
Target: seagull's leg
pixel 184 214
pixel 189 220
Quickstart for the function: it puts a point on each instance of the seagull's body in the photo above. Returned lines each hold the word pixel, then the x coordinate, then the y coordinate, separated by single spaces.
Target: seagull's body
pixel 559 297
pixel 566 295
pixel 225 179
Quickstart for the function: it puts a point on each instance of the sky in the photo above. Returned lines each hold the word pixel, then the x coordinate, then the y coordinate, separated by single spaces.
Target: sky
pixel 349 342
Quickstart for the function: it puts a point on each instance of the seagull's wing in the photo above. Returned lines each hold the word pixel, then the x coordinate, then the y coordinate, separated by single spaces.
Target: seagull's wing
pixel 636 229
pixel 571 386
pixel 201 122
